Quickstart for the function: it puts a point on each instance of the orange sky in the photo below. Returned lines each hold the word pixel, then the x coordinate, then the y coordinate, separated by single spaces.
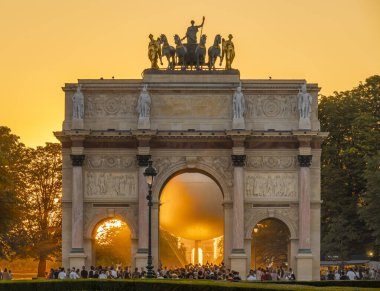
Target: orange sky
pixel 45 43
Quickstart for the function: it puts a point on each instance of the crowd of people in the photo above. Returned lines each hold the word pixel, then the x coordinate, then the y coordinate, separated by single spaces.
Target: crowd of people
pixel 6 274
pixel 197 272
pixel 351 274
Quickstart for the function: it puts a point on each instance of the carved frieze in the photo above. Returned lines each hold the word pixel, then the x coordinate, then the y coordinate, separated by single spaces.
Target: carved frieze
pixel 272 162
pixel 110 106
pixel 271 106
pixel 110 162
pixel 271 185
pixel 110 184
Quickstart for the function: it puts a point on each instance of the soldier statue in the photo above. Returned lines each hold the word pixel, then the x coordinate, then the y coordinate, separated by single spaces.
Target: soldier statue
pixel 78 104
pixel 304 103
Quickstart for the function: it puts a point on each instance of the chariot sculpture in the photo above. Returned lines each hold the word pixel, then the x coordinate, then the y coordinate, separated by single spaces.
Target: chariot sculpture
pixel 191 55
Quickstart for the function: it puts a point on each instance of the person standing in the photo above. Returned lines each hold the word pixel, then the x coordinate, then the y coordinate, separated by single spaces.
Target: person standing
pixel 84 273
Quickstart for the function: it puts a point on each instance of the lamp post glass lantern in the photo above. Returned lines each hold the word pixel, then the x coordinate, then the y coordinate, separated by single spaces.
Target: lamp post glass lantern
pixel 149 173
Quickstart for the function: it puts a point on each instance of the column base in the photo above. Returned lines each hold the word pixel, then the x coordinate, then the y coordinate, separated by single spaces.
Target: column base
pixel 304 265
pixel 77 259
pixel 141 258
pixel 238 260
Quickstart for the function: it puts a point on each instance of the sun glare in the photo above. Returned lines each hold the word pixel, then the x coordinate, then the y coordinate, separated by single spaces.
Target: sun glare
pixel 107 225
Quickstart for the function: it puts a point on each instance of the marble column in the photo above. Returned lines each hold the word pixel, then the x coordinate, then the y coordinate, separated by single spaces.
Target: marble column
pixel 77 204
pixel 238 204
pixel 238 256
pixel 304 257
pixel 304 203
pixel 142 246
pixel 77 255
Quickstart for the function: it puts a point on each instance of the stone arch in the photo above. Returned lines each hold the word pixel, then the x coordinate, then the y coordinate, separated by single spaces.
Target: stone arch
pixel 270 213
pixel 98 218
pixel 183 167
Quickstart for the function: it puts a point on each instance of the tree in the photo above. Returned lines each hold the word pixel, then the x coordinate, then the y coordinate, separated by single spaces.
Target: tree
pixel 113 243
pixel 40 229
pixel 351 118
pixel 13 162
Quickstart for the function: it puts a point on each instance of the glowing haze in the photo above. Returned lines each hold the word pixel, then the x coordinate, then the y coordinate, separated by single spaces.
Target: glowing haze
pixel 191 207
pixel 45 43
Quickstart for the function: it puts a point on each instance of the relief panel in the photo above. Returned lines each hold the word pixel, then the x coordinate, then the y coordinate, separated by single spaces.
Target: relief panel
pixel 271 185
pixel 271 106
pixel 107 105
pixel 110 185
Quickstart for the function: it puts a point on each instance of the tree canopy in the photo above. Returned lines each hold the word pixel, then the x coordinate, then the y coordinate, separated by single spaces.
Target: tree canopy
pixel 352 120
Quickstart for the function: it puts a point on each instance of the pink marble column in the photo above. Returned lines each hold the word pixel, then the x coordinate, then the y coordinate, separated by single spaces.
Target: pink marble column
pixel 143 204
pixel 77 204
pixel 238 204
pixel 304 203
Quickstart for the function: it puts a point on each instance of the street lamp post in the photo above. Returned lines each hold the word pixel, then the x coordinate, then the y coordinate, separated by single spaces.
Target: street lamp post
pixel 149 173
pixel 255 230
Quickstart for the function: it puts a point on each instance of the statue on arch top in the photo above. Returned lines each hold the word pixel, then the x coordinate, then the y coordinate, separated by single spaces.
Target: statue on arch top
pixel 228 51
pixel 191 33
pixel 154 51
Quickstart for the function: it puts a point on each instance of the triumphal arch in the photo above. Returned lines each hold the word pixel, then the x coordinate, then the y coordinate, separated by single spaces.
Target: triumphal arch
pixel 259 140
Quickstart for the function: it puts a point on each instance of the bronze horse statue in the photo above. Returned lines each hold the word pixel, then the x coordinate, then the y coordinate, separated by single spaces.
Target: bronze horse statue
pixel 200 52
pixel 181 52
pixel 168 51
pixel 214 52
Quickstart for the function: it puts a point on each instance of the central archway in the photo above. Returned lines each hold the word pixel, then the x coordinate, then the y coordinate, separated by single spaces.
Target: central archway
pixel 191 220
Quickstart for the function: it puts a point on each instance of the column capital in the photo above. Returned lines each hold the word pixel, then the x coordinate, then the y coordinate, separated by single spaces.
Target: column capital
pixel 238 160
pixel 142 160
pixel 77 160
pixel 305 160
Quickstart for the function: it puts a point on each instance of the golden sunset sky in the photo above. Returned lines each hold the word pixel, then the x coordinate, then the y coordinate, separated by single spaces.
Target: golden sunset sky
pixel 45 43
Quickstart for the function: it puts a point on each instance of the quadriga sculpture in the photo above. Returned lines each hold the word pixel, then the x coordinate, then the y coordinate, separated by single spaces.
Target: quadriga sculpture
pixel 200 52
pixel 168 51
pixel 180 51
pixel 214 52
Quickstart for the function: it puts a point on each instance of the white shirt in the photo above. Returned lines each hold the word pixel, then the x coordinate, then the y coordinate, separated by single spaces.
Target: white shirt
pixel 102 276
pixel 251 278
pixel 61 275
pixel 351 275
pixel 74 275
pixel 113 274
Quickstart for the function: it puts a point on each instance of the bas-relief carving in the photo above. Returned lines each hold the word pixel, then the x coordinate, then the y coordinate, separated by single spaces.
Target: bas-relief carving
pixel 110 185
pixel 110 162
pixel 103 105
pixel 193 106
pixel 288 215
pixel 272 162
pixel 271 185
pixel 271 106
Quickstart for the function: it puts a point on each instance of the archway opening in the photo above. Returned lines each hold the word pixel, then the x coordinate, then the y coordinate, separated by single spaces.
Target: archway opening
pixel 112 243
pixel 270 247
pixel 191 221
